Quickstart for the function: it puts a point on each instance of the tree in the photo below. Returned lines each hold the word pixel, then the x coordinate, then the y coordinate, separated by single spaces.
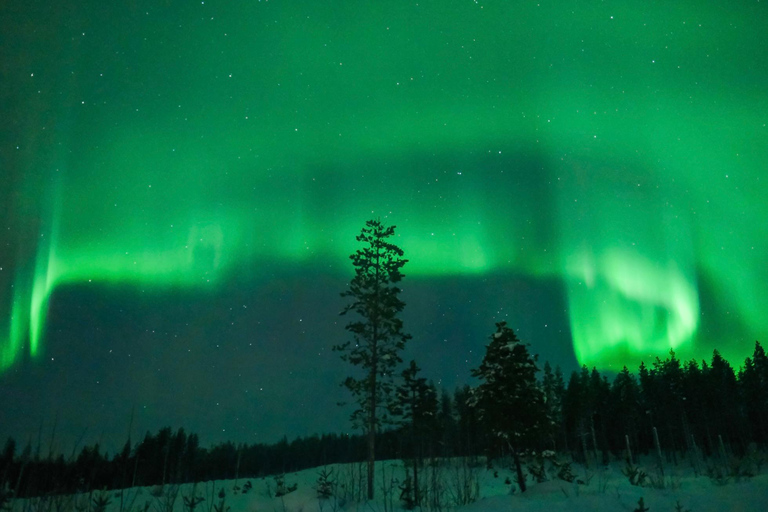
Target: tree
pixel 753 380
pixel 446 420
pixel 416 403
pixel 378 335
pixel 625 413
pixel 470 437
pixel 509 399
pixel 600 391
pixel 574 405
pixel 669 401
pixel 723 399
pixel 6 460
pixel 553 388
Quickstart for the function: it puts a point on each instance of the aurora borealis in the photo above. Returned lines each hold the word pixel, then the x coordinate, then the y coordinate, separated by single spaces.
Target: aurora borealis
pixel 598 166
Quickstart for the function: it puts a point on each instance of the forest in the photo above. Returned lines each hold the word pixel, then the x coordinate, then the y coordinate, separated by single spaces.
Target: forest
pixel 697 412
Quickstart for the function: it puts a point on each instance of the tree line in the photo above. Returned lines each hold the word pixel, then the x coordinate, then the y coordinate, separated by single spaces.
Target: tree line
pixel 693 405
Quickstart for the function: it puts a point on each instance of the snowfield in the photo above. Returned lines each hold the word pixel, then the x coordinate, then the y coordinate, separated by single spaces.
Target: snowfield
pixel 604 489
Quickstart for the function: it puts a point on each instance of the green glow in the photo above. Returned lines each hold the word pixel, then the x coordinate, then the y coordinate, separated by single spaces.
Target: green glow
pixel 632 304
pixel 616 147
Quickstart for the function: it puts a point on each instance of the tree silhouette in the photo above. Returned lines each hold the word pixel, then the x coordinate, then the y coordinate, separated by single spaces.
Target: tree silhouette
pixel 754 383
pixel 378 335
pixel 416 402
pixel 509 399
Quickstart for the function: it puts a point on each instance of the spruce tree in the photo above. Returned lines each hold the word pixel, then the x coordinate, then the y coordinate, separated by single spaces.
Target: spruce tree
pixel 560 397
pixel 447 427
pixel 578 410
pixel 600 391
pixel 669 377
pixel 416 403
pixel 625 413
pixel 753 380
pixel 723 397
pixel 553 401
pixel 573 411
pixel 377 332
pixel 470 437
pixel 509 399
pixel 696 401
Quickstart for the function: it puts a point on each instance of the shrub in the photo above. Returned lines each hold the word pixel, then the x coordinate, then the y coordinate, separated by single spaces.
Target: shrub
pixel 407 493
pixel 641 506
pixel 635 475
pixel 281 489
pixel 326 484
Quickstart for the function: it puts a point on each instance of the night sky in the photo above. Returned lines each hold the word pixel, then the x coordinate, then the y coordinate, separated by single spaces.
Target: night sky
pixel 181 183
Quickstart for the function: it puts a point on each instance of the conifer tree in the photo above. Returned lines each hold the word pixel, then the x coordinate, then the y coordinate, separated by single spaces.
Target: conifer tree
pixel 728 420
pixel 573 409
pixel 753 380
pixel 578 408
pixel 377 333
pixel 670 400
pixel 552 386
pixel 625 400
pixel 696 401
pixel 446 420
pixel 416 403
pixel 509 399
pixel 600 391
pixel 470 438
pixel 560 397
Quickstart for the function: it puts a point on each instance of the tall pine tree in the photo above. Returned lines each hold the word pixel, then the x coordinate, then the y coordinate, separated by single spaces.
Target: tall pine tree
pixel 377 332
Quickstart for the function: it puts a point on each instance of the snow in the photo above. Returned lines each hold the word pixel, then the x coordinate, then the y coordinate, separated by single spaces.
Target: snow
pixel 606 489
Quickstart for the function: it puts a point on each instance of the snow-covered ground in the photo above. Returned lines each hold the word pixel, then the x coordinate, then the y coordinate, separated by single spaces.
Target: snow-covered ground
pixel 603 489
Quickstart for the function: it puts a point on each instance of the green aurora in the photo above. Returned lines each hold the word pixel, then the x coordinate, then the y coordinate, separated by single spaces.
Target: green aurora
pixel 619 147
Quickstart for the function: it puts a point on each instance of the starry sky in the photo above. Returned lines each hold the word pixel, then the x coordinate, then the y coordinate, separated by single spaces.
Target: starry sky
pixel 182 183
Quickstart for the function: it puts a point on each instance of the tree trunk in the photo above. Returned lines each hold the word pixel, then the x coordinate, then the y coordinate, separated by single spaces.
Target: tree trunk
pixel 372 389
pixel 237 466
pixel 371 445
pixel 673 443
pixel 594 439
pixel 658 451
pixel 372 419
pixel 518 468
pixel 416 450
pixel 416 498
pixel 583 436
pixel 165 461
